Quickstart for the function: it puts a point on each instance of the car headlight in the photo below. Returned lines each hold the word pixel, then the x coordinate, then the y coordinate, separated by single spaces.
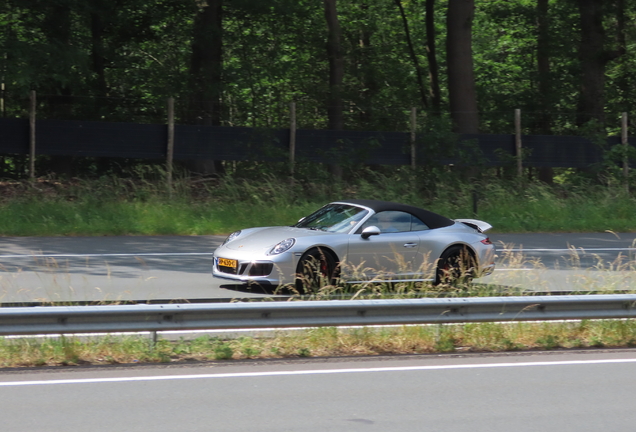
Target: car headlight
pixel 231 237
pixel 281 247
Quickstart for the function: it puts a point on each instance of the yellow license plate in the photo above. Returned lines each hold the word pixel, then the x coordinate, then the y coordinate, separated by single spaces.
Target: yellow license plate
pixel 228 262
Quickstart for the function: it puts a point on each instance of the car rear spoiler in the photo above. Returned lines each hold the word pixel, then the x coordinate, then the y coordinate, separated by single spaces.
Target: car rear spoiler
pixel 480 226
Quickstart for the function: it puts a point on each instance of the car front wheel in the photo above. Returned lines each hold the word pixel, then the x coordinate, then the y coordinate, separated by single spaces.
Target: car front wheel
pixel 316 269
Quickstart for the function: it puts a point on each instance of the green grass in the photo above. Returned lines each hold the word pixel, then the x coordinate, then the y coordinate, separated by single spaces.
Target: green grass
pixel 321 342
pixel 111 206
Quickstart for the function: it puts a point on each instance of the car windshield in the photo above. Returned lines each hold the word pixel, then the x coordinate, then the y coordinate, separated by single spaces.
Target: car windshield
pixel 340 218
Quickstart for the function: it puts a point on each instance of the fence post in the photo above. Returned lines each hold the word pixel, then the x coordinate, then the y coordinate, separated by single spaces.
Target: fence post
pixel 413 129
pixel 518 141
pixel 170 152
pixel 625 142
pixel 2 93
pixel 292 140
pixel 32 135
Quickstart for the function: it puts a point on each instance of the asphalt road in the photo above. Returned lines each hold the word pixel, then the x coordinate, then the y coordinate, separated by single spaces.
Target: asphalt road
pixel 88 269
pixel 549 262
pixel 565 392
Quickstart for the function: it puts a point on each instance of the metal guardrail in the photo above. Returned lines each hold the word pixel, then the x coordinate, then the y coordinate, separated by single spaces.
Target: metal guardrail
pixel 131 318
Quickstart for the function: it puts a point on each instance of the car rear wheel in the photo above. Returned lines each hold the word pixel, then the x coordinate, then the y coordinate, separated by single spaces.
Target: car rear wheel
pixel 316 269
pixel 457 265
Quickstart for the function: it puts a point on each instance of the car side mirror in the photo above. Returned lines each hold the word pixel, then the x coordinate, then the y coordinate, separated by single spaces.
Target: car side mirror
pixel 369 231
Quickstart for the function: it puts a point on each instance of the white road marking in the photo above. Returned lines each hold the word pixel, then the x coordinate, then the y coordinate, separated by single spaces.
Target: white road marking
pixel 513 269
pixel 312 372
pixel 161 254
pixel 91 255
pixel 573 249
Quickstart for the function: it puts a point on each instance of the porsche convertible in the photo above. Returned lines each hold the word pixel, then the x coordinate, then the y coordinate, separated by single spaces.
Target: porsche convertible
pixel 357 241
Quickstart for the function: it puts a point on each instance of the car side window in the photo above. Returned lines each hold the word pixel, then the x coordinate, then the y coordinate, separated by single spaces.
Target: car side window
pixel 417 225
pixel 390 221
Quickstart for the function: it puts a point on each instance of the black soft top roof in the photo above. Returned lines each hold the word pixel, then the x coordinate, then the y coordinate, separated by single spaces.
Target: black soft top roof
pixel 432 220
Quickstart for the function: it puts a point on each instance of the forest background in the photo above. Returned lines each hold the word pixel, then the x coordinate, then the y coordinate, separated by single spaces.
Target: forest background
pixel 465 65
pixel 348 64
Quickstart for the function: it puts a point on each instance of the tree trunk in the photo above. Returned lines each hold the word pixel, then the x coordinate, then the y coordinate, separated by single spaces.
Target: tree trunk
pixel 623 82
pixel 416 63
pixel 206 68
pixel 461 82
pixel 431 54
pixel 543 66
pixel 593 60
pixel 100 14
pixel 546 174
pixel 207 63
pixel 369 88
pixel 336 67
pixel 57 27
pixel 336 75
pixel 97 51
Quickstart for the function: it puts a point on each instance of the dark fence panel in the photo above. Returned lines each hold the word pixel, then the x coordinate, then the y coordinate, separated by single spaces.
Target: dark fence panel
pixel 537 150
pixel 486 149
pixel 80 138
pixel 14 136
pixel 613 140
pixel 149 141
pixel 560 151
pixel 230 143
pixel 329 146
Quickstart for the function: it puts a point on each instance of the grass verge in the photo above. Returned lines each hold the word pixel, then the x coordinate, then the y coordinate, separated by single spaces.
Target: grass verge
pixel 321 342
pixel 114 206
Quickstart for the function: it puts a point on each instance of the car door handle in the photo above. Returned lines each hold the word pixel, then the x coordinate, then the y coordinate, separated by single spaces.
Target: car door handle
pixel 410 245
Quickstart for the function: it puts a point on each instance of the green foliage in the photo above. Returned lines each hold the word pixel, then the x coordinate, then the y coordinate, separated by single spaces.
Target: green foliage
pixel 119 61
pixel 548 342
pixel 223 351
pixel 107 61
pixel 304 352
pixel 115 206
pixel 446 341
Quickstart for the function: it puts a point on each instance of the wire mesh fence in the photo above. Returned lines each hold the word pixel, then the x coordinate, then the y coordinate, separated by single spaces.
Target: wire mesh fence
pixel 132 128
pixel 276 114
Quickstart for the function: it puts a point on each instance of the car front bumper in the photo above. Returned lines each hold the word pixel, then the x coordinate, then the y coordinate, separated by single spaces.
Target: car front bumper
pixel 277 271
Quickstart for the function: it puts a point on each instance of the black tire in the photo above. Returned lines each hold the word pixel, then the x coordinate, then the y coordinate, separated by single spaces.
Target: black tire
pixel 316 268
pixel 457 265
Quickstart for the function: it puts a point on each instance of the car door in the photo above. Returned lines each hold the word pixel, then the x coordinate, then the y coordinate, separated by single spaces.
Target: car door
pixel 391 254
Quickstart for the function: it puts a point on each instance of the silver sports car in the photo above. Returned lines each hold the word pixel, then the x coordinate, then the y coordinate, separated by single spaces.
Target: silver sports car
pixel 356 241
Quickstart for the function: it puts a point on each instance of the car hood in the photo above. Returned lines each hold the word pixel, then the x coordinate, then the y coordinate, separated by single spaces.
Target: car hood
pixel 264 238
